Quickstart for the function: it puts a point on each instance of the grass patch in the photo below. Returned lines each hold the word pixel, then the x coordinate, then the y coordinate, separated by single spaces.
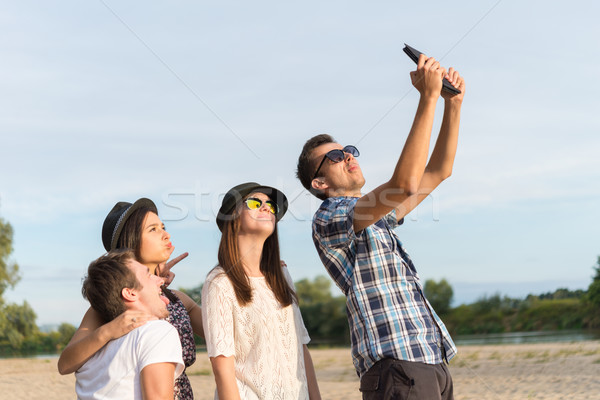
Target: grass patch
pixel 569 352
pixel 474 356
pixel 325 362
pixel 543 357
pixel 460 363
pixel 528 355
pixel 591 352
pixel 200 372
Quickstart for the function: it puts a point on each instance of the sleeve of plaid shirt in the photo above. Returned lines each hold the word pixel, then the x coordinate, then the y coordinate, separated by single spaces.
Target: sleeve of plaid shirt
pixel 391 219
pixel 333 223
pixel 334 236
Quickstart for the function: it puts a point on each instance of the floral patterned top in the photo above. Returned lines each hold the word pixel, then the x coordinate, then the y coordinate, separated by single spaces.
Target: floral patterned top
pixel 179 318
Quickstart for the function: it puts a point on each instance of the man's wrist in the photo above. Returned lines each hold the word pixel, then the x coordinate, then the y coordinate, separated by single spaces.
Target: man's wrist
pixel 452 103
pixel 428 99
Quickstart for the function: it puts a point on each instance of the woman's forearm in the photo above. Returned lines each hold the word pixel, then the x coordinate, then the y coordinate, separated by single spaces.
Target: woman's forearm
pixel 93 334
pixel 224 370
pixel 81 348
pixel 311 376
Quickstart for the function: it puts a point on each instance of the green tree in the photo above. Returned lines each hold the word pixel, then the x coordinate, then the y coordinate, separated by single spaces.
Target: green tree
pixel 324 315
pixel 9 276
pixel 439 294
pixel 562 293
pixel 22 318
pixel 19 333
pixel 317 291
pixel 66 332
pixel 593 294
pixel 9 271
pixel 20 324
pixel 195 293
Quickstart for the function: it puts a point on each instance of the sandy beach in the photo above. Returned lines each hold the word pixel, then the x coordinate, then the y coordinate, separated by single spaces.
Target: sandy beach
pixel 527 371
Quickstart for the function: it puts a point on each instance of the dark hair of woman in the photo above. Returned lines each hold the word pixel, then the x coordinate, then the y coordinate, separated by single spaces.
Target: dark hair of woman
pixel 270 265
pixel 131 238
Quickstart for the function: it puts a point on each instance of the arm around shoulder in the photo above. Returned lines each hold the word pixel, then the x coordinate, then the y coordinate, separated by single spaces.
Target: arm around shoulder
pixel 93 334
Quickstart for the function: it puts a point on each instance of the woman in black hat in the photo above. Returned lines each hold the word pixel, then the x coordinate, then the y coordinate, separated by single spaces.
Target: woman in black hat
pixel 137 226
pixel 255 336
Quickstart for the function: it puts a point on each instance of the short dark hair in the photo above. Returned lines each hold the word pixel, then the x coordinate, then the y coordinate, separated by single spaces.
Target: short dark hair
pixel 106 278
pixel 306 168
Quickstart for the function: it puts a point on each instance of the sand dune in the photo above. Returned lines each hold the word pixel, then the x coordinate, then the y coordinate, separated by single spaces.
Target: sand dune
pixel 532 371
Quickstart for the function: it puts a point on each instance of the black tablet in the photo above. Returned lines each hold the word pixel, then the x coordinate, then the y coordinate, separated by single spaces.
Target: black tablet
pixel 414 55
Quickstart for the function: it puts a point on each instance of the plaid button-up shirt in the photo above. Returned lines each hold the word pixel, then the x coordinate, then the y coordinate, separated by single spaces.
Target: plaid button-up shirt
pixel 388 314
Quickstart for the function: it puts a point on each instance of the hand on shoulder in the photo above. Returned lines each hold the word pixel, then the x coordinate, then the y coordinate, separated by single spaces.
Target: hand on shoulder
pixel 126 322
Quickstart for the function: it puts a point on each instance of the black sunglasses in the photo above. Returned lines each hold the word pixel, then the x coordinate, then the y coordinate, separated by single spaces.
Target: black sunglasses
pixel 338 155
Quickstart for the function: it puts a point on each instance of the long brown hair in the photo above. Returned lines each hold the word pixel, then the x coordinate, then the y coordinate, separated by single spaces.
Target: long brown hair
pixel 270 264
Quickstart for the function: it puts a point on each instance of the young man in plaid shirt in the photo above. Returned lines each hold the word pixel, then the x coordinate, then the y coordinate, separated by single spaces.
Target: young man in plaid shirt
pixel 399 344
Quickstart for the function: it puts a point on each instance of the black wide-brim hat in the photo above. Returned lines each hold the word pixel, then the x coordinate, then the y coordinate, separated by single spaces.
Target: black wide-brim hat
pixel 116 218
pixel 237 193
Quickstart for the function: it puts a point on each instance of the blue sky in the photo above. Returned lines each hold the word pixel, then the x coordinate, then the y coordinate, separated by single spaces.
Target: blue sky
pixel 178 101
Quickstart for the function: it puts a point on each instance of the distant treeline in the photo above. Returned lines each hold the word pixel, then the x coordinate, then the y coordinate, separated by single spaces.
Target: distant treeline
pixel 559 310
pixel 19 334
pixel 326 321
pixel 325 315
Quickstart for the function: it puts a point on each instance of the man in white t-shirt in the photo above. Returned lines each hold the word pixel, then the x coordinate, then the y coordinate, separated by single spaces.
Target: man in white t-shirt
pixel 144 363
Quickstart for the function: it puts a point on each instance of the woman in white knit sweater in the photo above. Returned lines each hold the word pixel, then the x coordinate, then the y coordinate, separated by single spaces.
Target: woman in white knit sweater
pixel 255 336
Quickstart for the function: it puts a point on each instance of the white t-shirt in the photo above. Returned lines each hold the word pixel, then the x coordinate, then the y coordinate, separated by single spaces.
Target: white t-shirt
pixel 114 371
pixel 265 338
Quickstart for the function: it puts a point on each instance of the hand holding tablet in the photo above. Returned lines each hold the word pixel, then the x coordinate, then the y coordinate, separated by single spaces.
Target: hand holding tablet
pixel 414 55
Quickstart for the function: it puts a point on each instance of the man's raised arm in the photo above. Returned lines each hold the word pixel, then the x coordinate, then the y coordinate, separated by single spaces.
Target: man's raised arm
pixel 442 158
pixel 407 176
